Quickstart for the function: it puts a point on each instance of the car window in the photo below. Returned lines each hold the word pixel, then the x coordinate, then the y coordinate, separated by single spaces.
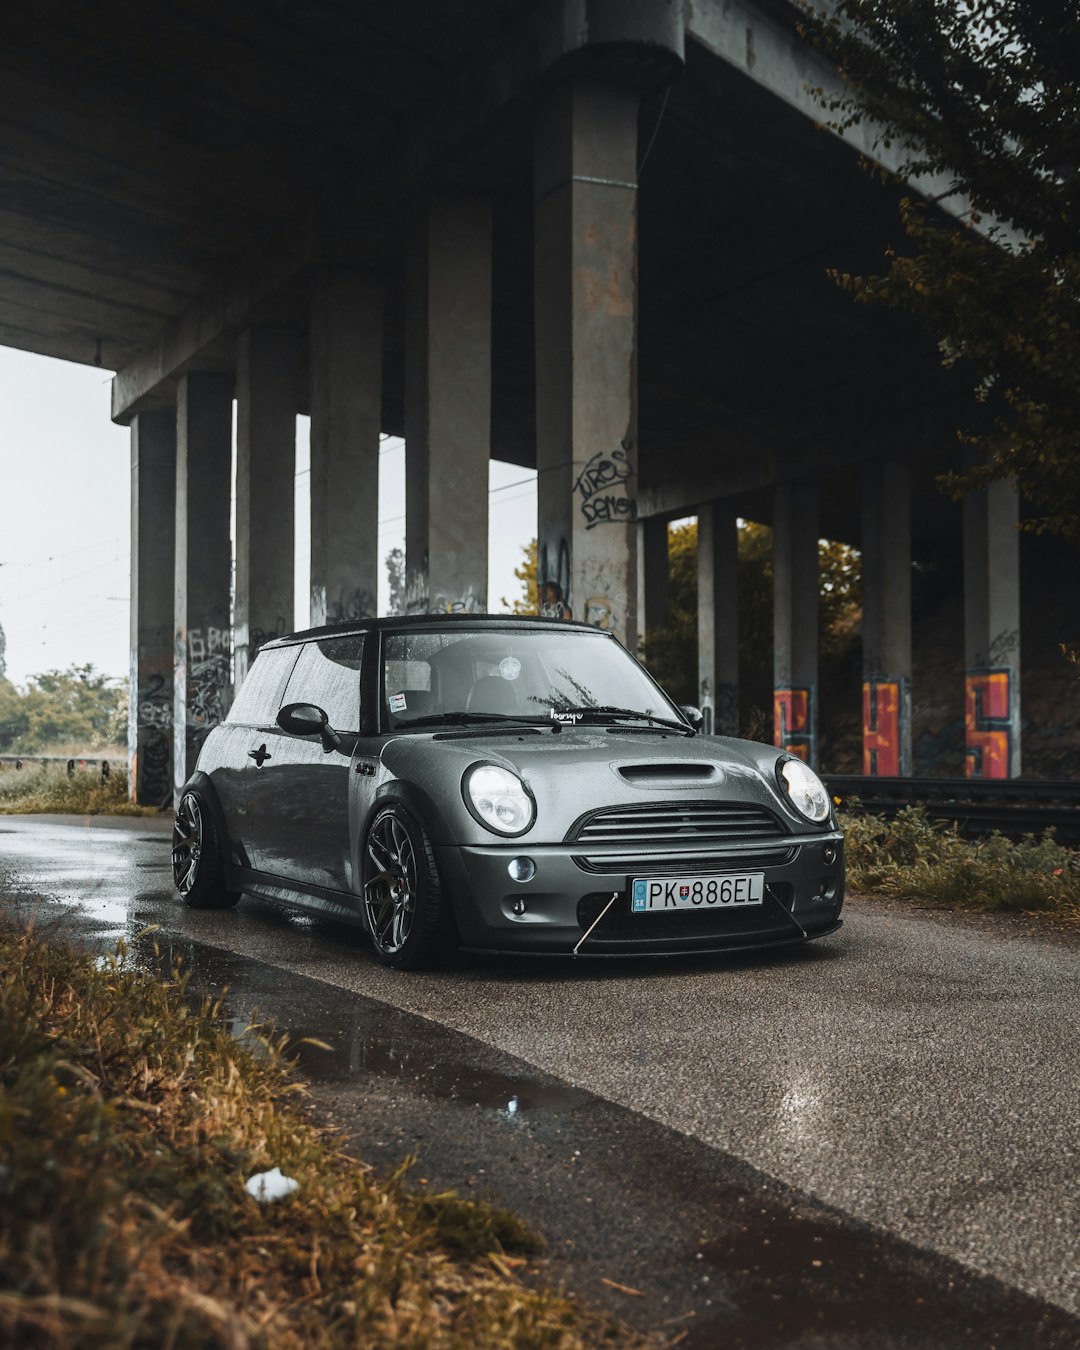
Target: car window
pixel 328 675
pixel 259 698
pixel 510 673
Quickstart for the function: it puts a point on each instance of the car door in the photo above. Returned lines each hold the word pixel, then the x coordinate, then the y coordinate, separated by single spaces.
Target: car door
pixel 237 742
pixel 298 797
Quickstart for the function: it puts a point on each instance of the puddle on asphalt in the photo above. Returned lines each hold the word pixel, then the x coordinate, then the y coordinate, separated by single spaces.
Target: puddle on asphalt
pixel 382 1056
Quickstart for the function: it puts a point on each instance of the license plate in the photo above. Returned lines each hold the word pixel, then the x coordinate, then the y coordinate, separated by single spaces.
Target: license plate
pixel 732 890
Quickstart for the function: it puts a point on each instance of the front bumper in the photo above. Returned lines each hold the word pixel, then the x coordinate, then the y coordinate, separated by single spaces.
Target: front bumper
pixel 803 898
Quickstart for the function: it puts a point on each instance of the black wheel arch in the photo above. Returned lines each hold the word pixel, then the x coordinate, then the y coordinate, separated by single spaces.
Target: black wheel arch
pixel 203 784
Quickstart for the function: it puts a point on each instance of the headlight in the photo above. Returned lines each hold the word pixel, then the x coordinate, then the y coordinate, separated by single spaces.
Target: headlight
pixel 805 789
pixel 498 799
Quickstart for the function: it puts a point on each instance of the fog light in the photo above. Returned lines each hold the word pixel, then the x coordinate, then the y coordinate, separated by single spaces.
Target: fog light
pixel 829 854
pixel 518 907
pixel 521 869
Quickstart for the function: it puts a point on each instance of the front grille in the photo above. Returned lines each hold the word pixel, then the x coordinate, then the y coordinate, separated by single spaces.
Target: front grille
pixel 674 862
pixel 696 824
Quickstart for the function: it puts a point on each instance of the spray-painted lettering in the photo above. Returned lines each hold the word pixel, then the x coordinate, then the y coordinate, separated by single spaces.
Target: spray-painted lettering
pixel 793 722
pixel 883 713
pixel 599 504
pixel 988 723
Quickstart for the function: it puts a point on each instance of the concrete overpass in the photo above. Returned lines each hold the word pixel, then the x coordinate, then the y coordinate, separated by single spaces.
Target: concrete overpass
pixel 587 235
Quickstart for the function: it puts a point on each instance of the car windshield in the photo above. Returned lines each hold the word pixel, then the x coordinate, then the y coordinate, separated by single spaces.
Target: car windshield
pixel 498 675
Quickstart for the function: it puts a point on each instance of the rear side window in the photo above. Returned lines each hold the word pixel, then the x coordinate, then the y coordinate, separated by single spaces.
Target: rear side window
pixel 328 675
pixel 259 698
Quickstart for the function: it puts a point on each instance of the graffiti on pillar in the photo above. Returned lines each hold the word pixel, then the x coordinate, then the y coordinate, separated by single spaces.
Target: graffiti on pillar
pixel 603 583
pixel 417 589
pixel 347 606
pixel 793 722
pixel 553 582
pixel 883 728
pixel 988 722
pixel 601 487
pixel 152 755
pixel 208 681
pixel 259 637
pixel 468 603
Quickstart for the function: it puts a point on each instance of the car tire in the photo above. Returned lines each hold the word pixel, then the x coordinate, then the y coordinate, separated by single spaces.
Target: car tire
pixel 198 859
pixel 405 910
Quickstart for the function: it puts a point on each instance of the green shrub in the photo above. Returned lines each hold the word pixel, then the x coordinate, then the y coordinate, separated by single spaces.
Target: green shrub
pixel 915 858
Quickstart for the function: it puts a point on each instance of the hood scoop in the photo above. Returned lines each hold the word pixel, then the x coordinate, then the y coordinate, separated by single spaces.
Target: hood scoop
pixel 669 773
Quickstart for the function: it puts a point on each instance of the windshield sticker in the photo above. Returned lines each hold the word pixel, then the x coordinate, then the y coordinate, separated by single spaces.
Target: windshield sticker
pixel 571 717
pixel 397 703
pixel 509 667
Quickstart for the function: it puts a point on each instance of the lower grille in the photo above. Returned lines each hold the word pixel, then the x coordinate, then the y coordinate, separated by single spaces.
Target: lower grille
pixel 619 928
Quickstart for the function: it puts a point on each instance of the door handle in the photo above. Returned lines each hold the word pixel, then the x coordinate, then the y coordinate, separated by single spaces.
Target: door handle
pixel 259 755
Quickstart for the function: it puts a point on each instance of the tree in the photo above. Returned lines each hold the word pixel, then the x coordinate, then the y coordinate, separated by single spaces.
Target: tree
pixel 395 571
pixel 526 574
pixel 77 706
pixel 984 93
pixel 3 653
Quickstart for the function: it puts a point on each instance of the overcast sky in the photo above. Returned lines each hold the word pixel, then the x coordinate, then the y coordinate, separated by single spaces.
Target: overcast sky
pixel 64 526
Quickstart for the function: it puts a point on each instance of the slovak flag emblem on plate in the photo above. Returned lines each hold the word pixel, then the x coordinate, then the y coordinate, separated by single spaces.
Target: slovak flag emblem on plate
pixel 684 891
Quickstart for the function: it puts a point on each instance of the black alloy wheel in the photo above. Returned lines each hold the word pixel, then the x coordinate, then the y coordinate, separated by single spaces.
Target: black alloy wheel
pixel 404 909
pixel 197 862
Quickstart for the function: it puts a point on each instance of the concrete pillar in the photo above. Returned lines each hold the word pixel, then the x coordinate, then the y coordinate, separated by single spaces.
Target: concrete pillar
pixel 346 417
pixel 718 619
pixel 267 373
pixel 992 633
pixel 653 576
pixel 202 684
pixel 585 231
pixel 153 557
pixel 448 406
pixel 795 619
pixel 886 626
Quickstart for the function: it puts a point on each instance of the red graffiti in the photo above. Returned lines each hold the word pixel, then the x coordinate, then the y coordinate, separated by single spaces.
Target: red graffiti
pixel 881 728
pixel 792 723
pixel 988 723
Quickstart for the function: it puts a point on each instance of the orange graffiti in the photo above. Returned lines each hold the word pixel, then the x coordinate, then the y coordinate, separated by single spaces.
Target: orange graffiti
pixel 881 728
pixel 987 723
pixel 792 723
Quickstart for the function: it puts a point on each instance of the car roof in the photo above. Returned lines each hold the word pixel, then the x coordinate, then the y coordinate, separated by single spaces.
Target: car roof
pixel 480 622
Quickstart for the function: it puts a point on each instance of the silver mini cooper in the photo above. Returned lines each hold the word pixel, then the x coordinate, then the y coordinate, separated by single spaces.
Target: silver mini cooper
pixel 509 784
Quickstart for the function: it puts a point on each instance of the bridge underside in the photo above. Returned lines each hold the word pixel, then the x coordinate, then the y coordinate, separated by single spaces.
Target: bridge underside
pixel 592 237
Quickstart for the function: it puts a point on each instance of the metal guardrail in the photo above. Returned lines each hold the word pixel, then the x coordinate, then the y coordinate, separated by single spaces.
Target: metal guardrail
pixel 1014 806
pixel 73 763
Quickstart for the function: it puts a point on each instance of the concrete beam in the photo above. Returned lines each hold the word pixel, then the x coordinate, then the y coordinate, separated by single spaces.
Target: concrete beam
pixel 267 380
pixel 718 618
pixel 448 406
pixel 886 625
pixel 345 364
pixel 153 557
pixel 795 619
pixel 992 633
pixel 202 676
pixel 585 180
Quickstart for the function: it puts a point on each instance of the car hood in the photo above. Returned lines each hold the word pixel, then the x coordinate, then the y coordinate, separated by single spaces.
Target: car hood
pixel 585 769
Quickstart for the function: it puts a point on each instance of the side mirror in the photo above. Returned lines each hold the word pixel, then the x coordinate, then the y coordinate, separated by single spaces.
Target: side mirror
pixel 693 715
pixel 306 719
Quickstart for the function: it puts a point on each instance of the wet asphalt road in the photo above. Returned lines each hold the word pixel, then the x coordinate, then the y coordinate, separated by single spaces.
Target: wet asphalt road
pixel 833 1146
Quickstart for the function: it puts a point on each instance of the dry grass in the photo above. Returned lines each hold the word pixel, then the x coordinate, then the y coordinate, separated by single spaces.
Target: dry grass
pixel 129 1121
pixel 914 858
pixel 47 788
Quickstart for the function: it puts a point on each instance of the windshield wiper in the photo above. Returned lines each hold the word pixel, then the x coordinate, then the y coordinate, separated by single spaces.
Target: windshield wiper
pixel 608 710
pixel 461 719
